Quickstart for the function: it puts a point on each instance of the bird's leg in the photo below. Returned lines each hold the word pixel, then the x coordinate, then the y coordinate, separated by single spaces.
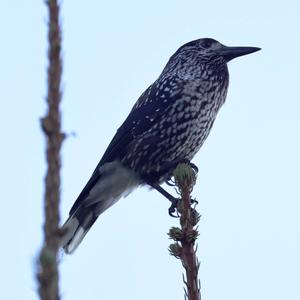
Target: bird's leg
pixel 174 164
pixel 173 200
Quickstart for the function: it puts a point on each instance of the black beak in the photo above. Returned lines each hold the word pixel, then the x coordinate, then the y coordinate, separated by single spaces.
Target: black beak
pixel 230 53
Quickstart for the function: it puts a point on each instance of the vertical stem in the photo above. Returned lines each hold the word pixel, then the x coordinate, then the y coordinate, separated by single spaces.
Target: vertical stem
pixel 185 237
pixel 188 255
pixel 51 125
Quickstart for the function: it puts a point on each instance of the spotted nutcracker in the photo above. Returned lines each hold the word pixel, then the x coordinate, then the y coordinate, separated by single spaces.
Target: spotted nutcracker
pixel 167 125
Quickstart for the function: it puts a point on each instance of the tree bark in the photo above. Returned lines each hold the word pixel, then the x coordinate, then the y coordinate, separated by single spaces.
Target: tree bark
pixel 48 277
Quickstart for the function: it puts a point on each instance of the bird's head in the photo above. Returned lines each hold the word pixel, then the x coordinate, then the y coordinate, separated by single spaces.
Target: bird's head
pixel 206 52
pixel 210 49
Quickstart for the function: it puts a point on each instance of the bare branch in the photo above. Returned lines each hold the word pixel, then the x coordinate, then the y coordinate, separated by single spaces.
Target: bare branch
pixel 51 125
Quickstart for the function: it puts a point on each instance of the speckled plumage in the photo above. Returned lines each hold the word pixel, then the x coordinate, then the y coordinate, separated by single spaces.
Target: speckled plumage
pixel 180 114
pixel 169 122
pixel 173 117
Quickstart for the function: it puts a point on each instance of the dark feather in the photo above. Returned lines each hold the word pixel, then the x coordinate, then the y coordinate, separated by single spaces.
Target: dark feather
pixel 150 106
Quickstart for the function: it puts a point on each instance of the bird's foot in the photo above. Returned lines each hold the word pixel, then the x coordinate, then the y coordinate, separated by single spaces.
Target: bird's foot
pixel 173 164
pixel 172 199
pixel 188 162
pixel 170 182
pixel 173 208
pixel 194 201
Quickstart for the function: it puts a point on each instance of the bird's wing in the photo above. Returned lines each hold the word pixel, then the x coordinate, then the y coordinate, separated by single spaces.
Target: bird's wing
pixel 150 106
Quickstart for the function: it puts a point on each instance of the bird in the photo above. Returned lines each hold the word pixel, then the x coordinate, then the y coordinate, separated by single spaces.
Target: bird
pixel 167 125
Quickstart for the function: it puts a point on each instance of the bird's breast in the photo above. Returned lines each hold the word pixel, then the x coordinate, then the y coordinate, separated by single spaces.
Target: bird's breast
pixel 180 130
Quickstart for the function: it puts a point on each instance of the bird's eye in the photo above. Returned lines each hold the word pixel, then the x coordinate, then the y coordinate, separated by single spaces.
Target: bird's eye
pixel 206 43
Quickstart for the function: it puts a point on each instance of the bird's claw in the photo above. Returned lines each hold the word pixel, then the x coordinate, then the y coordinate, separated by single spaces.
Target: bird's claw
pixel 170 182
pixel 192 165
pixel 173 208
pixel 194 201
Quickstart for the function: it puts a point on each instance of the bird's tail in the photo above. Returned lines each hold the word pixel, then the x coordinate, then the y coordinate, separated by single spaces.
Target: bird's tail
pixel 76 227
pixel 100 193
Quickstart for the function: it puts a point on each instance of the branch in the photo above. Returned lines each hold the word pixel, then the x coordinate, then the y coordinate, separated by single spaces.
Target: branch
pixel 185 237
pixel 51 125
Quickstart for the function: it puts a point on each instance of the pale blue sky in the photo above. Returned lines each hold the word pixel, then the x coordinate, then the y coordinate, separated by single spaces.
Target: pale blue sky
pixel 248 186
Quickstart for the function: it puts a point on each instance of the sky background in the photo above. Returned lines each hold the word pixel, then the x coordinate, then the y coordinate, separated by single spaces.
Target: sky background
pixel 248 185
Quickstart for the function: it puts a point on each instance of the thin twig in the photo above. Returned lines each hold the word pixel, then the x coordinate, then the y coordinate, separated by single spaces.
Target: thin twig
pixel 185 237
pixel 51 125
